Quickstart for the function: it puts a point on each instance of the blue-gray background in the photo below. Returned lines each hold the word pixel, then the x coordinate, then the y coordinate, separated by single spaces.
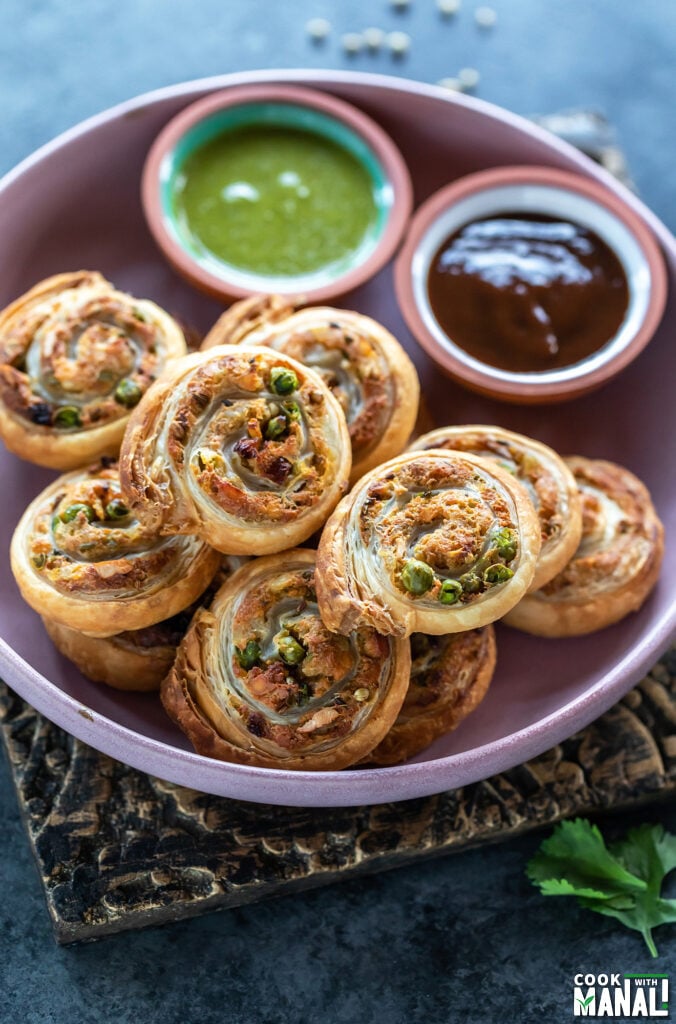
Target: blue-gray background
pixel 465 938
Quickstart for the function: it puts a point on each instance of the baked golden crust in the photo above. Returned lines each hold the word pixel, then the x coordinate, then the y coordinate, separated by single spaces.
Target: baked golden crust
pixel 246 448
pixel 549 482
pixel 450 676
pixel 82 559
pixel 431 542
pixel 75 356
pixel 138 659
pixel 259 680
pixel 361 362
pixel 616 564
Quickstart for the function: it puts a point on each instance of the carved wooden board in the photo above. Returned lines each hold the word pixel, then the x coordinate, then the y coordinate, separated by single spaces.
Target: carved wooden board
pixel 119 849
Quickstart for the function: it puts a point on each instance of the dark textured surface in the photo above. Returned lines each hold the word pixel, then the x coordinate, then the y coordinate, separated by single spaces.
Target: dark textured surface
pixel 118 849
pixel 462 938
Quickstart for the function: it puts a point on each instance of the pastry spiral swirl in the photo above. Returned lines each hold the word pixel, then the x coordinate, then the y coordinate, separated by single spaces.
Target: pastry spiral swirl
pixel 615 566
pixel 138 659
pixel 431 542
pixel 246 448
pixel 259 680
pixel 362 363
pixel 450 676
pixel 549 482
pixel 81 558
pixel 75 357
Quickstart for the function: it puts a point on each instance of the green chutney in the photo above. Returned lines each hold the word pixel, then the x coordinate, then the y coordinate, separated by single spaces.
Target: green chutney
pixel 275 201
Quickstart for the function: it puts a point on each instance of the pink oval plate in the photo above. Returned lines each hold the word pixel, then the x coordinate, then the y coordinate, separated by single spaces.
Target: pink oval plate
pixel 76 203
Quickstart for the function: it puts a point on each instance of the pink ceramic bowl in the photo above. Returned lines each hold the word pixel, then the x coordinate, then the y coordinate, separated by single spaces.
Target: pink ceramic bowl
pixel 317 114
pixel 554 193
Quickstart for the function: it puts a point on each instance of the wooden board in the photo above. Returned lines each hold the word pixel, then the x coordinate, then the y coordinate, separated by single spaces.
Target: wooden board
pixel 118 849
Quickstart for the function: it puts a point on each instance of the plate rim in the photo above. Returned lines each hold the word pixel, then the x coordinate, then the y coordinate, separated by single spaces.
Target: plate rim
pixel 348 787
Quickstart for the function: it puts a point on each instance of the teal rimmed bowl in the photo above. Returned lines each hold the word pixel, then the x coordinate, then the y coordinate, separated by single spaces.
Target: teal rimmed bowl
pixel 230 111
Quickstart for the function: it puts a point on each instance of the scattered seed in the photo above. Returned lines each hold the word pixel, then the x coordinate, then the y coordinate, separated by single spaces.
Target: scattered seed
pixel 485 17
pixel 450 83
pixel 352 42
pixel 374 38
pixel 399 43
pixel 447 8
pixel 318 29
pixel 468 78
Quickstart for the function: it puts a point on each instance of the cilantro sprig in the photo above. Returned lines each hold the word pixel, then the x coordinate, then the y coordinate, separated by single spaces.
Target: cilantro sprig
pixel 622 880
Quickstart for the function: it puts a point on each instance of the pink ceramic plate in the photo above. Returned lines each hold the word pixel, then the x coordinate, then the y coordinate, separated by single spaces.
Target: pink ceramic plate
pixel 76 204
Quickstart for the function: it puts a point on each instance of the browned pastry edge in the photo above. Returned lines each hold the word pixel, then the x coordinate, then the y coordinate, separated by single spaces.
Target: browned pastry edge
pixel 413 732
pixel 110 661
pixel 541 613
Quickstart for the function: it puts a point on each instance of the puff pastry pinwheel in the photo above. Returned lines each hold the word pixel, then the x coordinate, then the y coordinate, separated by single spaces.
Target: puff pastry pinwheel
pixel 548 480
pixel 364 365
pixel 259 680
pixel 75 357
pixel 450 676
pixel 81 558
pixel 614 568
pixel 246 448
pixel 138 659
pixel 431 542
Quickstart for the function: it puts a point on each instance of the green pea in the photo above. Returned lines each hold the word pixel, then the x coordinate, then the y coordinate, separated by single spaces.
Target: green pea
pixel 66 417
pixel 505 542
pixel 276 427
pixel 290 651
pixel 74 510
pixel 292 410
pixel 283 381
pixel 116 509
pixel 450 592
pixel 128 394
pixel 498 573
pixel 416 576
pixel 249 655
pixel 470 583
pixel 39 560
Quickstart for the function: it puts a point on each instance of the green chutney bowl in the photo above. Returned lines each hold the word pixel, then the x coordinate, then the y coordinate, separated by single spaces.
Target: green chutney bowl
pixel 266 242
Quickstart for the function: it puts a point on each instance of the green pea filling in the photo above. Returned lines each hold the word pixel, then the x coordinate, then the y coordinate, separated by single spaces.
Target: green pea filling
pixel 498 573
pixel 67 416
pixel 74 510
pixel 276 427
pixel 450 592
pixel 283 381
pixel 116 509
pixel 128 394
pixel 290 650
pixel 248 657
pixel 416 576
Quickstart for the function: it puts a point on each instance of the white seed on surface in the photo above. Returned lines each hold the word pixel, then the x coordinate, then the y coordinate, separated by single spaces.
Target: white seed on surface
pixel 318 29
pixel 352 42
pixel 399 43
pixel 485 17
pixel 374 38
pixel 450 83
pixel 448 7
pixel 468 78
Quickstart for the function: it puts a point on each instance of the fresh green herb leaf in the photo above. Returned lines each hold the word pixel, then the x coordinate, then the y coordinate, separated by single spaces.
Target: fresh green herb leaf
pixel 621 881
